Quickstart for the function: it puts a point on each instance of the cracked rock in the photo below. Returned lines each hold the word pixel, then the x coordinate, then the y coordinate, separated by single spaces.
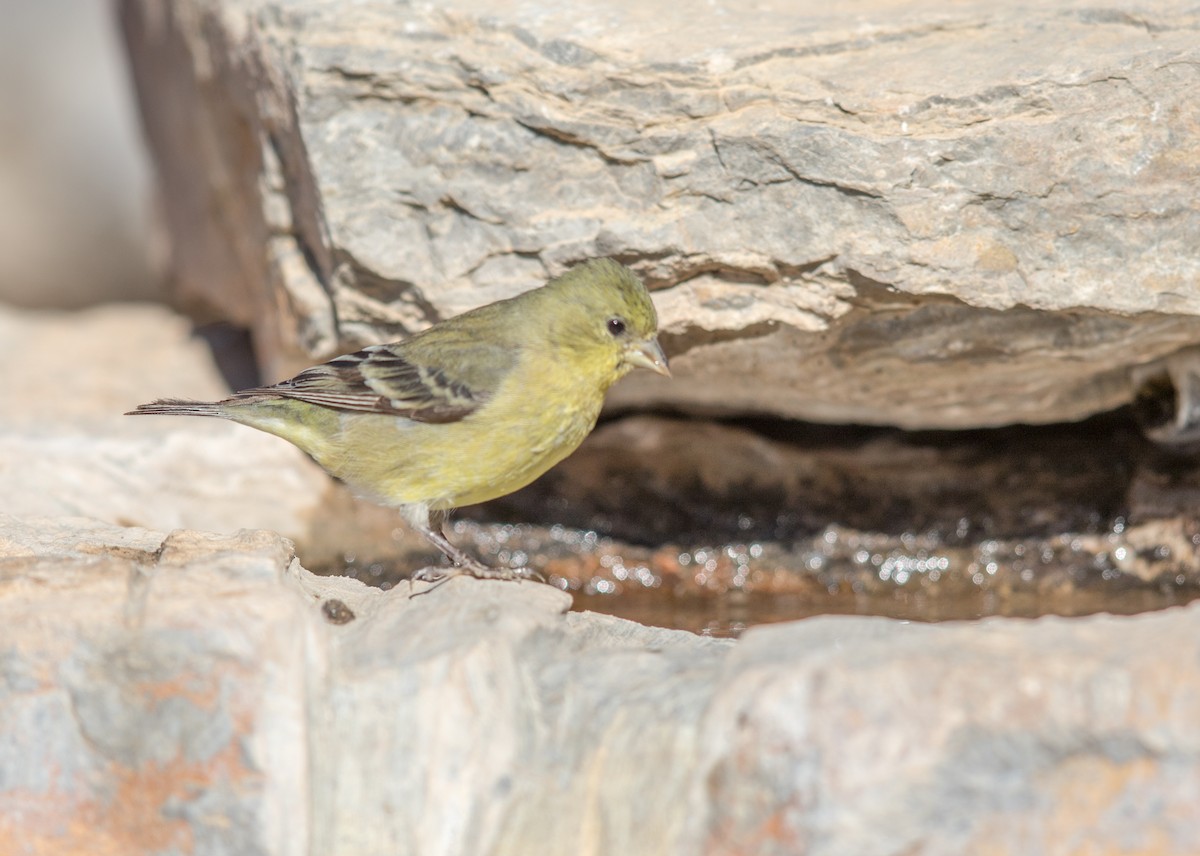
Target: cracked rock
pixel 917 215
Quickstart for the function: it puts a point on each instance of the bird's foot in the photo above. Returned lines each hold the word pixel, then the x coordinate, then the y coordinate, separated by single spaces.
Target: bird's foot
pixel 465 564
pixel 478 570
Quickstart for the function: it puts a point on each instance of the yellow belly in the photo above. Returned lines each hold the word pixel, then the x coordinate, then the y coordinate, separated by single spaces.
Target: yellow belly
pixel 453 464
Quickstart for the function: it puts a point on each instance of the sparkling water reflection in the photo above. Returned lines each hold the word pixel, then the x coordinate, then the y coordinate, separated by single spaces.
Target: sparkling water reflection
pixel 721 590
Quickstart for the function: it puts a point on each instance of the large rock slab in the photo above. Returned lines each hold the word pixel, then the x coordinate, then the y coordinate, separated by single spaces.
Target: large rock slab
pixel 907 214
pixel 193 693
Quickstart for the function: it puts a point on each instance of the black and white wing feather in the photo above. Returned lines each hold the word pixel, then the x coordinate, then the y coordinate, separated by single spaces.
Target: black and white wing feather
pixel 400 380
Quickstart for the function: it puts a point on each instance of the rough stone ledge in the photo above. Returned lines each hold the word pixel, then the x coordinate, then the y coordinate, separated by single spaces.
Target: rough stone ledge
pixel 201 693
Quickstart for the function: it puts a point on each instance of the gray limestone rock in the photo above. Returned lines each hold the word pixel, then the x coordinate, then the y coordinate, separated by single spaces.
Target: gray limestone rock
pixel 194 693
pixel 911 214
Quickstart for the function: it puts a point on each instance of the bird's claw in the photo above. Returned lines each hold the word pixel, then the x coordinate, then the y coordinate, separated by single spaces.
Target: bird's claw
pixel 478 570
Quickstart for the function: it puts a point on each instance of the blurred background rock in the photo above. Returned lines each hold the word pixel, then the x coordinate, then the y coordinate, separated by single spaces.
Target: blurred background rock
pixel 75 182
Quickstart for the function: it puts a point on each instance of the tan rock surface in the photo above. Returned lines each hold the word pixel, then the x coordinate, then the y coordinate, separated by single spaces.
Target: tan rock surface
pixel 197 693
pixel 152 691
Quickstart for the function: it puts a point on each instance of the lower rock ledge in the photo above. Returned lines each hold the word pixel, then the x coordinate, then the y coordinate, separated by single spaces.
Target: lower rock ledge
pixel 195 693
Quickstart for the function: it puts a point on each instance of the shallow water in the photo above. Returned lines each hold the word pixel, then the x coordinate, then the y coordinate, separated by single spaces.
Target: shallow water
pixel 731 613
pixel 721 591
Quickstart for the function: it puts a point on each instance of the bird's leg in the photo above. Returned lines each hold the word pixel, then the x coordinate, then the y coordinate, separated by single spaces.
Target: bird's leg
pixel 464 564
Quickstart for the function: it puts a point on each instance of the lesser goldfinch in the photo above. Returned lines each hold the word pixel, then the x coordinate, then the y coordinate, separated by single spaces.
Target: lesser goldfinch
pixel 468 410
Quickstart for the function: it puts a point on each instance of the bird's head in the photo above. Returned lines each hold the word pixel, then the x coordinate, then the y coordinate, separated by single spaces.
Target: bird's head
pixel 607 312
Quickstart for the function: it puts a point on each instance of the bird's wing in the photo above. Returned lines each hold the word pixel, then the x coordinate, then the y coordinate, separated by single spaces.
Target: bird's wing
pixel 444 383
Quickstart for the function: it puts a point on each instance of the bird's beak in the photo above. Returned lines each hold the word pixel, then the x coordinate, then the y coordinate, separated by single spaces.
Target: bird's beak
pixel 648 355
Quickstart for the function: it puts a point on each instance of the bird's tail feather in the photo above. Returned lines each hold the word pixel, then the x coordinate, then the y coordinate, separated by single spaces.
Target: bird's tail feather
pixel 179 407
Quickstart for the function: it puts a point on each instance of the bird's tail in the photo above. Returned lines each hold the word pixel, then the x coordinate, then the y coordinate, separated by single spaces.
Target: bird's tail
pixel 179 407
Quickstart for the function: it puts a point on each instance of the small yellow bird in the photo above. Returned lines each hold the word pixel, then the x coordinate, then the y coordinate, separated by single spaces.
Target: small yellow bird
pixel 468 410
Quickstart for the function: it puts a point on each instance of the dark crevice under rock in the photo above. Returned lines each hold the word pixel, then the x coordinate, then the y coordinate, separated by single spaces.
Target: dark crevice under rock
pixel 648 479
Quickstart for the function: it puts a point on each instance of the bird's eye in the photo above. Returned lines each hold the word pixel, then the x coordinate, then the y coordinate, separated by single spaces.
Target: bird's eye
pixel 616 326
